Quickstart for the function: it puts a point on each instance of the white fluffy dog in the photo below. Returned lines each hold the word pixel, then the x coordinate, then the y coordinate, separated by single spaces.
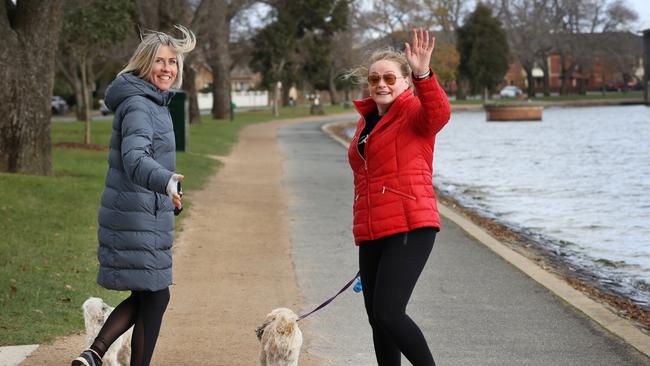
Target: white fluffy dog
pixel 96 311
pixel 280 338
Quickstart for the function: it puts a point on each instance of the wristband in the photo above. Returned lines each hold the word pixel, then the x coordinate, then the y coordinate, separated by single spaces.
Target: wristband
pixel 423 75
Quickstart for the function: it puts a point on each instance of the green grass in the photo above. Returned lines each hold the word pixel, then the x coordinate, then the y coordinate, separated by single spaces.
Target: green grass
pixel 48 258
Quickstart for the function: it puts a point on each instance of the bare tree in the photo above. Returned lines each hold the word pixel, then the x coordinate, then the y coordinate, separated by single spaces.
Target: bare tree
pixel 574 20
pixel 389 16
pixel 528 31
pixel 30 32
pixel 446 15
pixel 569 28
pixel 215 32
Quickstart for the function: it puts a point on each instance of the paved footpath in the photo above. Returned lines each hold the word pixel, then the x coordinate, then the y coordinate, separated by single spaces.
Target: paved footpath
pixel 474 307
pixel 273 228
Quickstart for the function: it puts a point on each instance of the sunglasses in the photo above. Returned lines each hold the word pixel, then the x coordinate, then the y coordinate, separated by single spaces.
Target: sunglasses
pixel 389 79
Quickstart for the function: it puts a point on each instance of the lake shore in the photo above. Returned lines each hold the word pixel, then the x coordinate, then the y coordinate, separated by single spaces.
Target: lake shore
pixel 536 252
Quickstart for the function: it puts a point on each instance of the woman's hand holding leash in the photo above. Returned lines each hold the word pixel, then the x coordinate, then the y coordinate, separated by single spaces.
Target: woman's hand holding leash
pixel 419 56
pixel 174 191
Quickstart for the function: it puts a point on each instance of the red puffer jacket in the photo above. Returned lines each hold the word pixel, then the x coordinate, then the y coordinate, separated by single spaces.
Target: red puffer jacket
pixel 393 190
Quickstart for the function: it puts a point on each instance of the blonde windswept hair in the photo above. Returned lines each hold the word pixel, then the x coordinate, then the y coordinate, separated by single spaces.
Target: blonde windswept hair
pixel 360 73
pixel 144 56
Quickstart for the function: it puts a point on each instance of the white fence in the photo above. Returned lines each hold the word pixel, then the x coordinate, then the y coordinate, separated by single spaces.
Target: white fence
pixel 241 99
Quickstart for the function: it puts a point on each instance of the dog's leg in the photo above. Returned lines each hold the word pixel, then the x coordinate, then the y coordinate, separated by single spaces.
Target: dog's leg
pixel 262 357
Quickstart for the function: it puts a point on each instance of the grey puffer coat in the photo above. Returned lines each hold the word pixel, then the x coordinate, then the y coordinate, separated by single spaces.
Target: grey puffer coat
pixel 136 217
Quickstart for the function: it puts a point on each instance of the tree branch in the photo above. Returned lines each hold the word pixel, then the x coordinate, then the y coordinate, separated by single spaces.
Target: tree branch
pixel 67 74
pixel 7 16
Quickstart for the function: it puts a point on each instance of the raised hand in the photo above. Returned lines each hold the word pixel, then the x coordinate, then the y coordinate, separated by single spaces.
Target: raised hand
pixel 419 56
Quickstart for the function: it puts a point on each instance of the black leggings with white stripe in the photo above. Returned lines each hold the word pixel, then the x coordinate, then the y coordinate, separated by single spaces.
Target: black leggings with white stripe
pixel 390 267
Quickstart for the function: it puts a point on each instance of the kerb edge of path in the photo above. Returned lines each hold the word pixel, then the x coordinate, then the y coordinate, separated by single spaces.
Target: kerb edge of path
pixel 613 323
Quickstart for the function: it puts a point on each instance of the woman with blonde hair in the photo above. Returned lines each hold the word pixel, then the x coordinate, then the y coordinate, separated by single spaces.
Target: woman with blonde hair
pixel 136 217
pixel 395 211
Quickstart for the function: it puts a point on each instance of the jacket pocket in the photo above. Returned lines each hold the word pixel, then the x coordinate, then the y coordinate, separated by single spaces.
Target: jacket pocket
pixel 385 189
pixel 162 203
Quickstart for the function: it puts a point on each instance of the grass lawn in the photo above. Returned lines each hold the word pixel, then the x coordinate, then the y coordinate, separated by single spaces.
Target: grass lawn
pixel 48 255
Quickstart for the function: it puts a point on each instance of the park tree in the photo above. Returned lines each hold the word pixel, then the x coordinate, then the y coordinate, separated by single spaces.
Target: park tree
pixel 388 23
pixel 296 47
pixel 276 54
pixel 325 19
pixel 444 62
pixel 446 16
pixel 528 31
pixel 163 15
pixel 30 33
pixel 387 17
pixel 214 31
pixel 483 48
pixel 89 36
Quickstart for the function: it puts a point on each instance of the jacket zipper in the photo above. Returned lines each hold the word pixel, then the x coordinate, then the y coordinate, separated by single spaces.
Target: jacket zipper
pixel 384 189
pixel 365 167
pixel 155 208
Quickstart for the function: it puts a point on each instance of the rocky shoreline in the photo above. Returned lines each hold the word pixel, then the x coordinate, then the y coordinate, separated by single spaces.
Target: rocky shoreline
pixel 534 251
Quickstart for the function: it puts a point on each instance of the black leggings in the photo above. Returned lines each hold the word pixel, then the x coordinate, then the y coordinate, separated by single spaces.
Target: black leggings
pixel 390 267
pixel 143 310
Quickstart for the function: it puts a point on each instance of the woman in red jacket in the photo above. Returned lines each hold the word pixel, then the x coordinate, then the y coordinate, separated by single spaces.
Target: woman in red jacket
pixel 395 211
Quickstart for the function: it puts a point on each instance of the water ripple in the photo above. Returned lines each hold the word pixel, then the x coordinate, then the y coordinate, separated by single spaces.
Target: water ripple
pixel 578 182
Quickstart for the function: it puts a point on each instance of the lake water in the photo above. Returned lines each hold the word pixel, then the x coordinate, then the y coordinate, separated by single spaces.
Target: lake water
pixel 578 182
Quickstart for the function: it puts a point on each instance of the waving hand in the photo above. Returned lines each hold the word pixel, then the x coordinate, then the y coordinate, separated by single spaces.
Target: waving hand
pixel 419 56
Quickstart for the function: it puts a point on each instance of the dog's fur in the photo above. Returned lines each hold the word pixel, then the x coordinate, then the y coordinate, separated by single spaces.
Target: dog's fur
pixel 96 311
pixel 280 338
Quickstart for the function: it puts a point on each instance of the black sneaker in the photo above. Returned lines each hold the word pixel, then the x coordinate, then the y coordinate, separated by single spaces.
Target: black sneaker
pixel 87 358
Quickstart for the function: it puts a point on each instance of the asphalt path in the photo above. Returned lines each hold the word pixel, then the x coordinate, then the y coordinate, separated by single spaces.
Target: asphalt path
pixel 473 307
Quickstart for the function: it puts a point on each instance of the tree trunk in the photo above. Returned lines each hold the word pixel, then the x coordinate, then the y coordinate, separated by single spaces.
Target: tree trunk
pixel 546 82
pixel 78 98
pixel 334 100
pixel 460 89
pixel 531 81
pixel 285 87
pixel 189 82
pixel 85 102
pixel 220 88
pixel 220 60
pixel 565 76
pixel 29 33
pixel 276 99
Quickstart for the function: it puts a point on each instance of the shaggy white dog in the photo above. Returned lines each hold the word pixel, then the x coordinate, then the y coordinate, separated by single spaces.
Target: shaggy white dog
pixel 280 338
pixel 96 311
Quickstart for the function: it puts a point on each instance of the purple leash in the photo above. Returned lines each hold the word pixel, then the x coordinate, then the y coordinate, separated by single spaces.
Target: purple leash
pixel 330 299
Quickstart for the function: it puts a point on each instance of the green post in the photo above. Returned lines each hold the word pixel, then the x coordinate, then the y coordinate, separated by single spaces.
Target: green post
pixel 179 112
